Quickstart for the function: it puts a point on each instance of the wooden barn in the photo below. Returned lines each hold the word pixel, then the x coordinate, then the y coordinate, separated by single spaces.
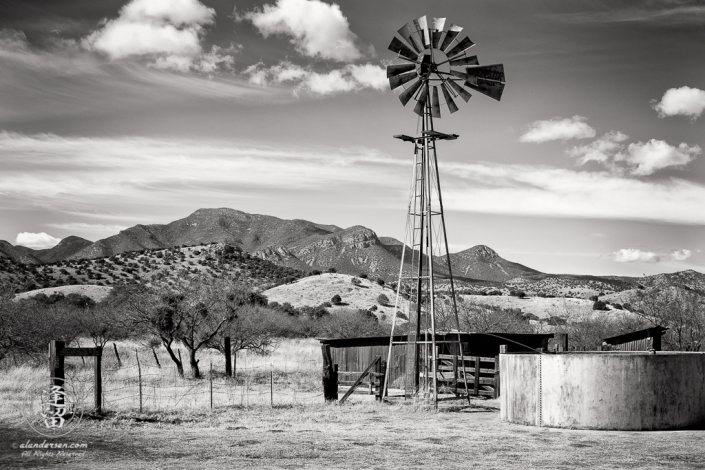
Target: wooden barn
pixel 350 359
pixel 642 340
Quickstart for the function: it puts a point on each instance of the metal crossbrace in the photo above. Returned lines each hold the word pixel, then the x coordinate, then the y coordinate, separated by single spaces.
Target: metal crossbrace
pixel 425 190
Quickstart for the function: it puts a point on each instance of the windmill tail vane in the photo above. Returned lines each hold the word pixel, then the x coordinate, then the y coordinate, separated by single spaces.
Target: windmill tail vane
pixel 434 69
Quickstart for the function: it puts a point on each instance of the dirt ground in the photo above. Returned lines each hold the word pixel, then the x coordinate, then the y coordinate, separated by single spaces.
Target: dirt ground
pixel 356 436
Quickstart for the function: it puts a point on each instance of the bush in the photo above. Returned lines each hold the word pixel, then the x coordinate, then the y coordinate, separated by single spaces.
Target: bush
pixel 557 321
pixel 355 281
pixel 517 293
pixel 362 276
pixel 380 281
pixel 336 300
pixel 382 299
pixel 332 270
pixel 593 298
pixel 617 306
pixel 599 305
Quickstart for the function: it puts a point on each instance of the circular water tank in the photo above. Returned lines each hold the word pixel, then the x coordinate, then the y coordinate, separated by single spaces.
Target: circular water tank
pixel 604 390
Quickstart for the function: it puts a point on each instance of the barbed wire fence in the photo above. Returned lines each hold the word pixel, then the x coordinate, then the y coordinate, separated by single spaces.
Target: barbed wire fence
pixel 152 388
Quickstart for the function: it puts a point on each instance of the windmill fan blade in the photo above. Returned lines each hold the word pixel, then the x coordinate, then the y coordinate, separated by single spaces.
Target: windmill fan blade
pixel 421 103
pixel 411 36
pixel 459 74
pixel 422 27
pixel 463 45
pixel 406 95
pixel 402 49
pixel 472 60
pixel 435 105
pixel 399 80
pixel 436 38
pixel 394 70
pixel 494 73
pixel 464 94
pixel 439 24
pixel 452 33
pixel 492 89
pixel 452 107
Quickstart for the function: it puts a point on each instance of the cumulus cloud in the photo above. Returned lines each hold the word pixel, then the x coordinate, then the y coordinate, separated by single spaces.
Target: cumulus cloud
pixel 684 101
pixel 681 255
pixel 167 31
pixel 36 241
pixel 349 78
pixel 558 129
pixel 316 28
pixel 602 150
pixel 630 255
pixel 638 159
pixel 646 158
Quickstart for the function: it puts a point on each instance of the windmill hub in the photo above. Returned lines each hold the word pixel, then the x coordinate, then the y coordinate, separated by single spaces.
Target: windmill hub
pixel 432 63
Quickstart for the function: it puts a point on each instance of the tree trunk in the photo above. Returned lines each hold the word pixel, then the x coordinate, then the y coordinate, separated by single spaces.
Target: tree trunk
pixel 179 365
pixel 194 364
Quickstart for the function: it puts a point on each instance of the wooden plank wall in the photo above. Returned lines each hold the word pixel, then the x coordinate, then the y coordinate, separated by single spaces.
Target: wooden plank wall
pixel 357 358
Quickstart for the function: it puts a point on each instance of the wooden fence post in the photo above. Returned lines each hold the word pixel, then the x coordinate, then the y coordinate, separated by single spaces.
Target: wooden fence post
pixel 56 366
pixel 156 358
pixel 117 356
pixel 503 349
pixel 211 384
pixel 139 378
pixel 227 353
pixel 98 383
pixel 477 376
pixel 330 382
pixel 496 376
pixel 56 362
pixel 381 377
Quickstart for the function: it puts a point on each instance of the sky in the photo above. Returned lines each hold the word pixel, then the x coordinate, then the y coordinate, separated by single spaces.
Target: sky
pixel 116 113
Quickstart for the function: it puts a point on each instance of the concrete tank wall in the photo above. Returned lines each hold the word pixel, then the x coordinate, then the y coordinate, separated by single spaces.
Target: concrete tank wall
pixel 604 390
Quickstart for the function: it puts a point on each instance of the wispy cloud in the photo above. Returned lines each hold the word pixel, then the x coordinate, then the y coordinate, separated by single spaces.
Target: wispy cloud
pixel 631 255
pixel 684 101
pixel 558 129
pixel 665 13
pixel 52 171
pixel 82 227
pixel 66 80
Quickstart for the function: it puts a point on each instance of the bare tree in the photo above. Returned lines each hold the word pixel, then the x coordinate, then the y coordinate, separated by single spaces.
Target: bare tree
pixel 675 302
pixel 157 311
pixel 252 326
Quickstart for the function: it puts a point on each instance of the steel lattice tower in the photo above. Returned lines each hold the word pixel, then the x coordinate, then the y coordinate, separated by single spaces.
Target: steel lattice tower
pixel 430 60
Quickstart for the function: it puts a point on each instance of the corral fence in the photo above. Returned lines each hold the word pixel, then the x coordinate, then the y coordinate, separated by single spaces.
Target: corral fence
pixel 146 385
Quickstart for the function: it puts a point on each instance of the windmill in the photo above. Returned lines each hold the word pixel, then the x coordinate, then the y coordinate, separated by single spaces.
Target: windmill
pixel 434 62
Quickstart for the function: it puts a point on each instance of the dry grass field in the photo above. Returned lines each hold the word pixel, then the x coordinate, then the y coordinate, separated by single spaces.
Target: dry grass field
pixel 352 436
pixel 305 433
